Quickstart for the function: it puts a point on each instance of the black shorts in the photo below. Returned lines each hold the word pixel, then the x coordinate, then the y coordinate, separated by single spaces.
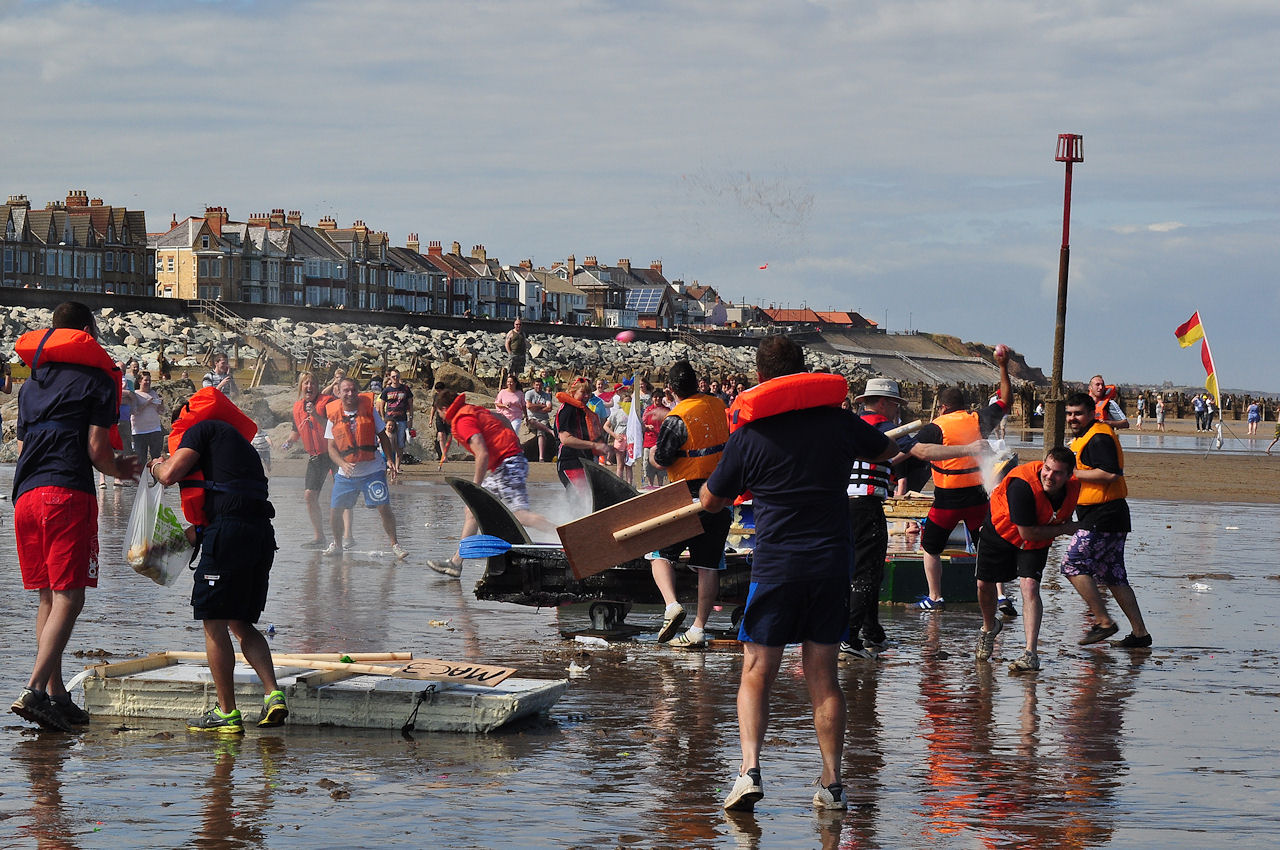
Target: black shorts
pixel 1000 560
pixel 234 570
pixel 318 469
pixel 815 610
pixel 707 549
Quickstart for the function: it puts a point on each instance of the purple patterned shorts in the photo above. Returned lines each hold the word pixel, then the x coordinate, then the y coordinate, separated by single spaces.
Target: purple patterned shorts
pixel 1099 554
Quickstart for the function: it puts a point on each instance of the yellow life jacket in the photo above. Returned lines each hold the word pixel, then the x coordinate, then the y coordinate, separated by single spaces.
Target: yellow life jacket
pixel 1096 492
pixel 707 422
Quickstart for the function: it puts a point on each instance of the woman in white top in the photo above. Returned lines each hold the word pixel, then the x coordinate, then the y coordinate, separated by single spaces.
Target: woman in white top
pixel 145 416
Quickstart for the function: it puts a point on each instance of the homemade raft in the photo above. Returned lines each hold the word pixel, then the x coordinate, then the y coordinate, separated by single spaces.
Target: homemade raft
pixel 539 575
pixel 390 690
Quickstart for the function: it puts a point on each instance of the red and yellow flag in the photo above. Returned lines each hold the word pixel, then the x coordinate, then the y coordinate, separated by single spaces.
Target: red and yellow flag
pixel 1210 382
pixel 1190 331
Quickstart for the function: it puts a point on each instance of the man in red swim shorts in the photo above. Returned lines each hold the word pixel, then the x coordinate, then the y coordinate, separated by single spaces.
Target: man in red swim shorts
pixel 65 414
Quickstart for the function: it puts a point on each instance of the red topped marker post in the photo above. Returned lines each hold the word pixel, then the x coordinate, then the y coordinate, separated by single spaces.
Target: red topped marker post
pixel 1070 151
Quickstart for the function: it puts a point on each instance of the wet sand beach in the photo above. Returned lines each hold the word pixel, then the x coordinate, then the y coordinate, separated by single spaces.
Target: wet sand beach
pixel 1172 747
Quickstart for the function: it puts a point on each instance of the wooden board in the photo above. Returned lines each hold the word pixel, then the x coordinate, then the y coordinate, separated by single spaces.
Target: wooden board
pixel 592 546
pixel 433 669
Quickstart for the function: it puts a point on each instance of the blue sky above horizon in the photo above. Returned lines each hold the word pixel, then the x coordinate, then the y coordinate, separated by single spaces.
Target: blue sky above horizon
pixel 894 158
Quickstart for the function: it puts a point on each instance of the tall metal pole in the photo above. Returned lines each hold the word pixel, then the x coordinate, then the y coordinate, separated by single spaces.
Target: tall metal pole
pixel 1070 151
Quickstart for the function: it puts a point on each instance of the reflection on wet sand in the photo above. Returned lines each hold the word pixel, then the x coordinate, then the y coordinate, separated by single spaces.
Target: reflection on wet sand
pixel 234 815
pixel 42 758
pixel 939 751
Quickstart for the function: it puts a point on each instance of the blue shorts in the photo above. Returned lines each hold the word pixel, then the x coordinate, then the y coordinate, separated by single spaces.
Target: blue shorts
pixel 372 486
pixel 1099 554
pixel 815 610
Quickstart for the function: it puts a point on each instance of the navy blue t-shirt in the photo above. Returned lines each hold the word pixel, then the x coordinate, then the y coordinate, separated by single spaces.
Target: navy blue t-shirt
pixel 228 458
pixel 797 466
pixel 55 409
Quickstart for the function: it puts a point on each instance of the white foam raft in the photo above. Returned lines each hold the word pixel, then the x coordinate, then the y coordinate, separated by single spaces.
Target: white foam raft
pixel 178 685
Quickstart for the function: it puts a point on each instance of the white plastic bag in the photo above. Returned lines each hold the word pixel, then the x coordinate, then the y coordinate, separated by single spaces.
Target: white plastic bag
pixel 155 544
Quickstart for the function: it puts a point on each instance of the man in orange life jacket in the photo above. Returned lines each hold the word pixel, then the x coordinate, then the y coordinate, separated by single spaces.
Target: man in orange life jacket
pixel 690 442
pixel 65 414
pixel 309 421
pixel 1096 553
pixel 232 576
pixel 1105 408
pixel 355 431
pixel 1029 507
pixel 797 465
pixel 958 492
pixel 501 467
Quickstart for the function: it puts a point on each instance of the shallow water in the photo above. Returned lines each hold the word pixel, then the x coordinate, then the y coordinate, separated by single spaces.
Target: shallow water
pixel 1173 747
pixel 1235 440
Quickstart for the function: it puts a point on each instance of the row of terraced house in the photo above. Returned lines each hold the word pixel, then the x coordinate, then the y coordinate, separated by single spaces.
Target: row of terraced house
pixel 81 244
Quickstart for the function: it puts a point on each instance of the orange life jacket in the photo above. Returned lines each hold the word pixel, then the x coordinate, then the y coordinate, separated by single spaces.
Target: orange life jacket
pixel 707 422
pixel 1096 492
pixel 1100 407
pixel 65 345
pixel 1045 513
pixel 958 428
pixel 361 445
pixel 789 392
pixel 207 403
pixel 310 426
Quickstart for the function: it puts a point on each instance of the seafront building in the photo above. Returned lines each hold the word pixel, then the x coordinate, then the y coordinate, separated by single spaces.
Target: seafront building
pixel 81 244
pixel 77 244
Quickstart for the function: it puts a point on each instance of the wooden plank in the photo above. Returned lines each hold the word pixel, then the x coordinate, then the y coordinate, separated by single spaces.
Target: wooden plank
pixel 434 669
pixel 591 544
pixel 316 678
pixel 154 661
pixel 354 656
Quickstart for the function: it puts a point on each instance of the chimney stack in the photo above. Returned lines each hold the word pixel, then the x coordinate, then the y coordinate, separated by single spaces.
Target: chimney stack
pixel 433 248
pixel 572 263
pixel 478 254
pixel 19 201
pixel 656 265
pixel 294 217
pixel 327 223
pixel 527 264
pixel 77 198
pixel 412 243
pixel 359 225
pixel 95 202
pixel 216 216
pixel 259 220
pixel 589 261
pixel 277 217
pixel 625 265
pixel 456 250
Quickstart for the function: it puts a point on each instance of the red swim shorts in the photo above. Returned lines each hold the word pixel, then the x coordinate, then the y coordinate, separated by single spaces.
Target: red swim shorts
pixel 57 534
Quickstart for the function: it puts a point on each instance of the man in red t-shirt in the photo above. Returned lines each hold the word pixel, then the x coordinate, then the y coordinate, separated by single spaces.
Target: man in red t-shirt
pixel 501 467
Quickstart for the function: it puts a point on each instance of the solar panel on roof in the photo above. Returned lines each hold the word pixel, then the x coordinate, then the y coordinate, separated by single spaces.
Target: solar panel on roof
pixel 644 300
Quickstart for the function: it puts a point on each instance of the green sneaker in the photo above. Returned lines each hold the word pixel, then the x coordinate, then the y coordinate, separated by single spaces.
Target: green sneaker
pixel 214 720
pixel 274 710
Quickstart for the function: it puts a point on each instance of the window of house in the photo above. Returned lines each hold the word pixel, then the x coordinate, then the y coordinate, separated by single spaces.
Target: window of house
pixel 202 268
pixel 8 259
pixel 204 241
pixel 109 258
pixel 169 265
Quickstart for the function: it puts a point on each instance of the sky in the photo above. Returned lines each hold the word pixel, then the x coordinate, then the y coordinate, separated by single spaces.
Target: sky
pixel 895 158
